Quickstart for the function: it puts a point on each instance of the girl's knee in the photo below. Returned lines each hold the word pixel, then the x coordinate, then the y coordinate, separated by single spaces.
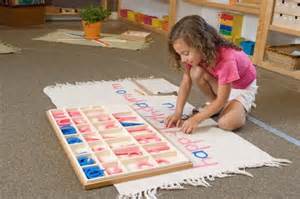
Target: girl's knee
pixel 207 77
pixel 197 76
pixel 229 124
pixel 196 73
pixel 225 124
pixel 202 82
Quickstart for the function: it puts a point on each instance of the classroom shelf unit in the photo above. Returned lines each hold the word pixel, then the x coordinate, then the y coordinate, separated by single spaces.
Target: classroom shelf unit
pixel 266 20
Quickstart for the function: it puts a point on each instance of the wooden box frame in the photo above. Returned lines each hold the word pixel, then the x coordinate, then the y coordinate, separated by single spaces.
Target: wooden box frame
pixel 111 179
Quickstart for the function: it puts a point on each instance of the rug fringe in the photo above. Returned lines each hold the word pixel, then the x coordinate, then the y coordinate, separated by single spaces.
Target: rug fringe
pixel 283 162
pixel 173 186
pixel 274 162
pixel 200 181
pixel 151 193
pixel 197 182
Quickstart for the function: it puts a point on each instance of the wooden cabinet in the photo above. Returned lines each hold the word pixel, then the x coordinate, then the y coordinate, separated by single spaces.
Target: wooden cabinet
pixel 22 15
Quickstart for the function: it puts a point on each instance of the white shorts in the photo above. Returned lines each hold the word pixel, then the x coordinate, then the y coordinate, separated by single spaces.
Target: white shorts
pixel 245 96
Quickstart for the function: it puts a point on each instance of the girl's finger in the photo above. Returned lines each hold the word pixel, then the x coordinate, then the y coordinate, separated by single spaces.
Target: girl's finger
pixel 171 121
pixel 166 121
pixel 184 128
pixel 187 130
pixel 178 123
pixel 190 130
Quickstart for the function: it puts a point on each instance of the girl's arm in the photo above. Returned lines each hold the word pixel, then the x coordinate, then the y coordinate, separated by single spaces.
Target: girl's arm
pixel 184 90
pixel 215 106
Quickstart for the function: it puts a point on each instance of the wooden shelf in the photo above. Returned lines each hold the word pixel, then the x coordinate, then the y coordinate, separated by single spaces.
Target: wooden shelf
pixel 243 9
pixel 278 69
pixel 265 20
pixel 147 27
pixel 284 30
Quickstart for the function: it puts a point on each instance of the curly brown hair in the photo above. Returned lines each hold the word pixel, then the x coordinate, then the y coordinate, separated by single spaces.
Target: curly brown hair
pixel 197 33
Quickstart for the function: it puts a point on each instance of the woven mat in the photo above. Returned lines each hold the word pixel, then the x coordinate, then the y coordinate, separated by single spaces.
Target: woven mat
pixel 7 48
pixel 76 37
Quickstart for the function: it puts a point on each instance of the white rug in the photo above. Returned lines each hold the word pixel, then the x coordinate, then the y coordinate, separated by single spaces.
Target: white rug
pixel 214 152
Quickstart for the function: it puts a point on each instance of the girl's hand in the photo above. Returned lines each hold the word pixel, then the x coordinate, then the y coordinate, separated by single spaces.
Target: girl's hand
pixel 189 125
pixel 173 120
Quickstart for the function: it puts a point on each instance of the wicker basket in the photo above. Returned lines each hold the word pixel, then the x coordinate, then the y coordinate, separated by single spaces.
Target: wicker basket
pixel 285 56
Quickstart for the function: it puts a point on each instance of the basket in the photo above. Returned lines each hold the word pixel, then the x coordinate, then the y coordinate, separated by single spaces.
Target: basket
pixel 287 56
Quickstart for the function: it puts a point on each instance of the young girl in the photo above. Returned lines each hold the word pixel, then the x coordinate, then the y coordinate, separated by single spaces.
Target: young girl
pixel 221 70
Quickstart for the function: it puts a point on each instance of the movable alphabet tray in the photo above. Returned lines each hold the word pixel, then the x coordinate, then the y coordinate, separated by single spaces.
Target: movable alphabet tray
pixel 112 144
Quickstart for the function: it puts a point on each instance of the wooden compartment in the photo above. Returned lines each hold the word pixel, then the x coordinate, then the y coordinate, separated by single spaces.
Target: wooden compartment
pixel 288 56
pixel 289 7
pixel 286 21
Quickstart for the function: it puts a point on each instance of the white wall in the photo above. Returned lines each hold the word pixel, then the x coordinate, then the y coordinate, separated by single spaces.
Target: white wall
pixel 184 9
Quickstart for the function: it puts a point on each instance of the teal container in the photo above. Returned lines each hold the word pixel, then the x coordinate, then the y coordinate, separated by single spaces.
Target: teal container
pixel 248 47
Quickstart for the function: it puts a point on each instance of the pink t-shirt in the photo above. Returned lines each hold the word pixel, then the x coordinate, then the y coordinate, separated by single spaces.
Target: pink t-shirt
pixel 233 67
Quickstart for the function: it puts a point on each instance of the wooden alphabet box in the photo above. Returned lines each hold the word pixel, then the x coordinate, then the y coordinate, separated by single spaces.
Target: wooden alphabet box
pixel 112 144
